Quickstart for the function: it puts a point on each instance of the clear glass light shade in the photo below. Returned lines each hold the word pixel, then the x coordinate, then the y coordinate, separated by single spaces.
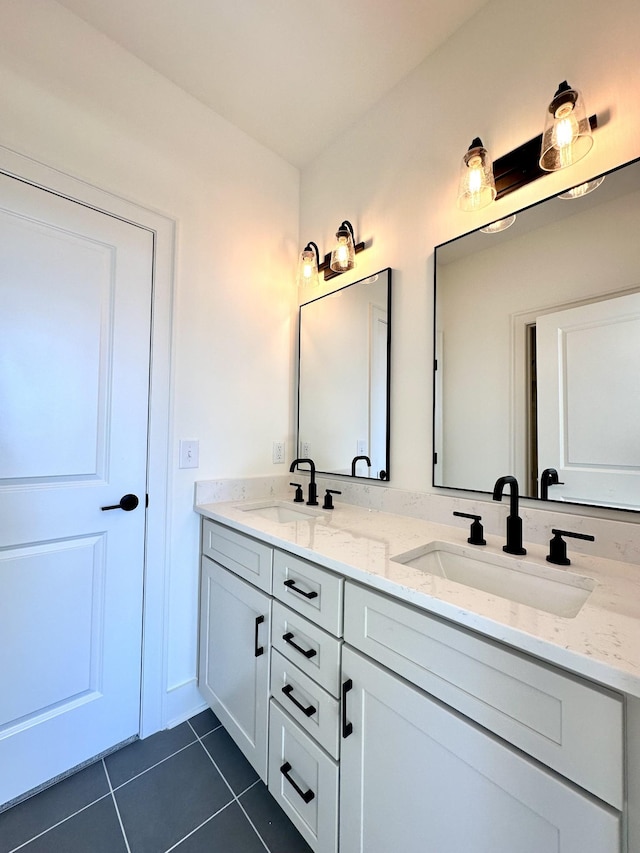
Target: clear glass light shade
pixel 308 269
pixel 477 187
pixel 499 225
pixel 567 133
pixel 583 189
pixel 343 256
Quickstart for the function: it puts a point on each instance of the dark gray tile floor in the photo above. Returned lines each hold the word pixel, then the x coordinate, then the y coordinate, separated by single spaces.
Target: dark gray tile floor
pixel 188 789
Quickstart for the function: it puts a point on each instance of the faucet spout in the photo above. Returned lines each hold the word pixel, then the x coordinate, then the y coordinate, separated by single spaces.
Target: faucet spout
pixel 549 477
pixel 356 459
pixel 313 489
pixel 514 522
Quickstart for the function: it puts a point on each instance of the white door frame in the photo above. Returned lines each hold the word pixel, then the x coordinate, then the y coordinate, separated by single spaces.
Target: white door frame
pixel 153 690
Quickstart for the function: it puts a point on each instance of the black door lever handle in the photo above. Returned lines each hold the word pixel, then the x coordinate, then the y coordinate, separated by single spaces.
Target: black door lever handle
pixel 127 503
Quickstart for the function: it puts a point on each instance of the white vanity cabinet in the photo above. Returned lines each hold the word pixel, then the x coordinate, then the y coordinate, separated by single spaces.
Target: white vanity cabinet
pixel 235 630
pixel 417 775
pixel 380 727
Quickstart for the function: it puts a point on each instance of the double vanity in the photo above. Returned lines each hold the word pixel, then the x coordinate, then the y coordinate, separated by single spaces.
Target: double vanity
pixel 400 688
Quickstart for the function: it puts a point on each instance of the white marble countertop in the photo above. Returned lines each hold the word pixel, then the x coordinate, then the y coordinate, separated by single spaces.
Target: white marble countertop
pixel 602 642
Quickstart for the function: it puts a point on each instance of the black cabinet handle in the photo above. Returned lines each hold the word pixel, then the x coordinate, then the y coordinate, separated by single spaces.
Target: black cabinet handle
pixel 308 653
pixel 347 728
pixel 309 711
pixel 308 795
pixel 292 586
pixel 259 650
pixel 127 503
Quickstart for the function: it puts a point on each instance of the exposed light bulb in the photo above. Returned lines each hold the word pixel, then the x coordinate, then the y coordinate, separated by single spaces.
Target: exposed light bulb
pixel 343 256
pixel 477 187
pixel 567 133
pixel 308 267
pixel 342 252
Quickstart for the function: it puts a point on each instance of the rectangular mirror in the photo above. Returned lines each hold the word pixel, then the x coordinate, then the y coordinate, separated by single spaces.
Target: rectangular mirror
pixel 537 348
pixel 343 379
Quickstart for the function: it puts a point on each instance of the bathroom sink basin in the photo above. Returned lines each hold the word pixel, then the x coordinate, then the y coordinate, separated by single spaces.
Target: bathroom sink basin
pixel 281 511
pixel 545 588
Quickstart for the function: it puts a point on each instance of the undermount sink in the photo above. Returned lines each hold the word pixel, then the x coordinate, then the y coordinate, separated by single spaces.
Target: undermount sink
pixel 544 588
pixel 281 511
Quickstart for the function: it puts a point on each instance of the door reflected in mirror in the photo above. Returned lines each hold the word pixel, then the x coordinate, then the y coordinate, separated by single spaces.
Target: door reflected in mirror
pixel 343 379
pixel 537 338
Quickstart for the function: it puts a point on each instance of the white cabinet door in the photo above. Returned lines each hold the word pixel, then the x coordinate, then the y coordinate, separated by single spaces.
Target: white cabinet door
pixel 235 625
pixel 417 777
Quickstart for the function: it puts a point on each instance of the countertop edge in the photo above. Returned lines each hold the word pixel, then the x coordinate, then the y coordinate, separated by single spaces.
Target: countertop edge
pixel 575 662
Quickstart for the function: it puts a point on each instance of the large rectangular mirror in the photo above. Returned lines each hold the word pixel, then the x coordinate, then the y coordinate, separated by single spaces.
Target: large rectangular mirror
pixel 537 347
pixel 343 379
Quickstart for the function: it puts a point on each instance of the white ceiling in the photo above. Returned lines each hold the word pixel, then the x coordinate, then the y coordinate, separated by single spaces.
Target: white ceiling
pixel 293 74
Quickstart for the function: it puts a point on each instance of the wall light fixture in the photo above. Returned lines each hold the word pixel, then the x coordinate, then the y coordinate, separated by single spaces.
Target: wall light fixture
pixel 567 132
pixel 341 259
pixel 308 264
pixel 567 137
pixel 477 187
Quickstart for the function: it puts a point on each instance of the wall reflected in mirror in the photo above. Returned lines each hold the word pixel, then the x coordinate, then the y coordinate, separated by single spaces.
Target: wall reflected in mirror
pixel 343 379
pixel 537 346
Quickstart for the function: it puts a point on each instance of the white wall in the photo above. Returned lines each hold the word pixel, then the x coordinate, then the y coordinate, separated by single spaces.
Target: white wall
pixel 75 101
pixel 395 173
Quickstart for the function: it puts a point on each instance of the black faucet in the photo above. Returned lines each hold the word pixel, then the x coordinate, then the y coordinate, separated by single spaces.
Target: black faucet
pixel 549 477
pixel 353 463
pixel 313 489
pixel 514 522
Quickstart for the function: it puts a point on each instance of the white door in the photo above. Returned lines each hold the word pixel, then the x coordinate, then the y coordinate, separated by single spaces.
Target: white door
pixel 416 777
pixel 589 401
pixel 75 299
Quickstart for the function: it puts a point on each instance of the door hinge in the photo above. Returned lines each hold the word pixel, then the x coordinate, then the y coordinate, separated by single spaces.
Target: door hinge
pixel 435 363
pixel 146 500
pixel 435 458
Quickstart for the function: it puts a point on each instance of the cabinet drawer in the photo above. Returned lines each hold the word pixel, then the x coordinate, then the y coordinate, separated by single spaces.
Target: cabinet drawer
pixel 315 710
pixel 314 651
pixel 304 781
pixel 247 557
pixel 309 589
pixel 566 723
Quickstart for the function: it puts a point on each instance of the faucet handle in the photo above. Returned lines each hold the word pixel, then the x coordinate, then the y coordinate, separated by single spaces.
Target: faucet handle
pixel 558 547
pixel 328 500
pixel 476 532
pixel 299 498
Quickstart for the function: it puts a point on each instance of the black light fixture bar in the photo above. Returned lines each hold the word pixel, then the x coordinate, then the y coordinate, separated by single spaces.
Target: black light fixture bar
pixel 325 265
pixel 521 166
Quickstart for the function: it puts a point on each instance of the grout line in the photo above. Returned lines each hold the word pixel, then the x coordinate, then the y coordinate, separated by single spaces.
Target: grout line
pixel 246 814
pixel 236 798
pixel 157 764
pixel 204 823
pixel 115 803
pixel 59 823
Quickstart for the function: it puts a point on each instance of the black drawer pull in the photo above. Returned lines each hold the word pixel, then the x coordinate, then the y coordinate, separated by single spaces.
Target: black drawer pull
pixel 347 728
pixel 308 653
pixel 308 795
pixel 259 650
pixel 292 586
pixel 309 711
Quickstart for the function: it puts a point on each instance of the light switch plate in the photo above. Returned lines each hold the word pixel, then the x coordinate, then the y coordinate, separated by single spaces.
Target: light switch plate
pixel 189 453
